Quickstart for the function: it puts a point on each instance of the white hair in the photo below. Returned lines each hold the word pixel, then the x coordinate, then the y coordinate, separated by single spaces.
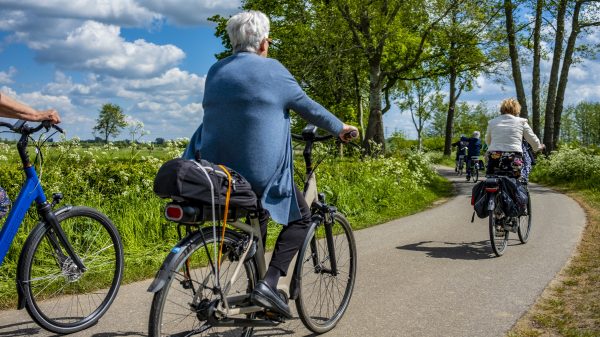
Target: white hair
pixel 246 30
pixel 476 134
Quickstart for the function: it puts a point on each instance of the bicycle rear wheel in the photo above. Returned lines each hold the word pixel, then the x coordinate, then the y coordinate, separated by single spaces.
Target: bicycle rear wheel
pixel 525 223
pixel 180 308
pixel 60 297
pixel 324 297
pixel 475 173
pixel 498 235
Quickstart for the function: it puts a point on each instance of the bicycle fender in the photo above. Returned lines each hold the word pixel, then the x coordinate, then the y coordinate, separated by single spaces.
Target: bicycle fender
pixel 294 290
pixel 20 266
pixel 181 249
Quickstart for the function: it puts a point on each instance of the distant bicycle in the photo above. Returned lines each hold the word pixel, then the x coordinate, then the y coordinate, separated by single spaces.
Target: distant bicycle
pixel 460 163
pixel 474 169
pixel 197 293
pixel 71 265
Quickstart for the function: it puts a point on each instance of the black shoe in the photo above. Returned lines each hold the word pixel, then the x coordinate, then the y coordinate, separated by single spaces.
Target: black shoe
pixel 265 296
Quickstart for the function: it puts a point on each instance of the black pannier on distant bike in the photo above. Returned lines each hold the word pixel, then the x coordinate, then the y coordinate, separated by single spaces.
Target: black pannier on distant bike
pixel 479 200
pixel 190 180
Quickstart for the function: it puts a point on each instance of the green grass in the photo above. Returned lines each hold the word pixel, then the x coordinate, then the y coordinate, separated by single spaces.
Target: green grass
pixel 119 183
pixel 570 307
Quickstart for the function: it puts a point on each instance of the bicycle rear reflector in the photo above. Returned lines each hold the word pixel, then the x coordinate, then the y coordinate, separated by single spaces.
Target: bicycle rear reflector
pixel 174 212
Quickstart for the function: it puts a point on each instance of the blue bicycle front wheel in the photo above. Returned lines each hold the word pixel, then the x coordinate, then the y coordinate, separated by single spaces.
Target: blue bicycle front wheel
pixel 58 295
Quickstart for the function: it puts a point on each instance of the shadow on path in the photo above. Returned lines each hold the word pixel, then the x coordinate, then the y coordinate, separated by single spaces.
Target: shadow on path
pixel 478 250
pixel 20 329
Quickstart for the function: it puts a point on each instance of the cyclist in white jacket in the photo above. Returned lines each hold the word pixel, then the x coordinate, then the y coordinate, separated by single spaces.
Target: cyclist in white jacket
pixel 504 137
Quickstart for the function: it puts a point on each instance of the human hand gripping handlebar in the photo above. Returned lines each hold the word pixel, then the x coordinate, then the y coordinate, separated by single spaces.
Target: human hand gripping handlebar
pixel 350 135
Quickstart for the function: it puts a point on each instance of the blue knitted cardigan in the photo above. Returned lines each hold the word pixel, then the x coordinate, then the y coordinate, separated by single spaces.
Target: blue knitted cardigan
pixel 246 126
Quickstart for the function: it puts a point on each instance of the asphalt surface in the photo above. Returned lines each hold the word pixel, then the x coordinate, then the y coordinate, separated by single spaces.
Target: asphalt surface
pixel 429 274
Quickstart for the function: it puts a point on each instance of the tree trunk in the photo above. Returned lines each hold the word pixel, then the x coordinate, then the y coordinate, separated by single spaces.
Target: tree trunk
pixel 535 82
pixel 564 73
pixel 514 57
pixel 552 84
pixel 375 126
pixel 450 117
pixel 359 106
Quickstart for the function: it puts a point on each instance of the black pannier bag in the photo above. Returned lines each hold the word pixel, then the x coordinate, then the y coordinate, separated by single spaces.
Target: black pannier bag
pixel 479 200
pixel 184 180
pixel 514 197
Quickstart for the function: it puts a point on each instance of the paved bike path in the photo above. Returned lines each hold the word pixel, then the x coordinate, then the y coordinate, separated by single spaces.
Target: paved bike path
pixel 429 274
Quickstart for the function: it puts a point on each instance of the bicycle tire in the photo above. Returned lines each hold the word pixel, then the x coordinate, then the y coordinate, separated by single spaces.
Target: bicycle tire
pixel 525 223
pixel 166 305
pixel 497 241
pixel 97 242
pixel 460 167
pixel 323 323
pixel 476 173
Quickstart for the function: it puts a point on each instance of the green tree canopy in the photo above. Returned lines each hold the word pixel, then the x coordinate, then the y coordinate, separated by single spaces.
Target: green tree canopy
pixel 110 121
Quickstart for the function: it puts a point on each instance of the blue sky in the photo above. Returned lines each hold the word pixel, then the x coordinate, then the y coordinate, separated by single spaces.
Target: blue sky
pixel 150 57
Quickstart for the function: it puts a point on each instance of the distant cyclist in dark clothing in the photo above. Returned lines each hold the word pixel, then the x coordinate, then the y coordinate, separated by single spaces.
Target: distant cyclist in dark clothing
pixel 461 149
pixel 474 151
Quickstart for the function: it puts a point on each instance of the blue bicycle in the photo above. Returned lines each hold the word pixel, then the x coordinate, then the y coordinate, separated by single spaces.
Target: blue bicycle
pixel 71 264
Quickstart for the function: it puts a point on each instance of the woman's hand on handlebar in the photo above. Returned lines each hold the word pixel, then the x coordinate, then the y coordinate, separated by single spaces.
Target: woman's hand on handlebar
pixel 49 115
pixel 348 133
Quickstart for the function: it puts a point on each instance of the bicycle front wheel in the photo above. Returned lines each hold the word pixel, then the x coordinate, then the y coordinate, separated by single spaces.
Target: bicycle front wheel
pixel 498 235
pixel 324 294
pixel 525 223
pixel 59 296
pixel 186 302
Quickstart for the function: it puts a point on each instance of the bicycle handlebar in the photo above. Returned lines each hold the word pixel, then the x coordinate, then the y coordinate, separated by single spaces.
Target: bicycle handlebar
pixel 24 129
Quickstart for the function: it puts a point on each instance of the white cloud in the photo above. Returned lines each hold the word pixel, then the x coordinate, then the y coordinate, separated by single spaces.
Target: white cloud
pixel 169 105
pixel 121 12
pixel 192 12
pixel 6 76
pixel 99 48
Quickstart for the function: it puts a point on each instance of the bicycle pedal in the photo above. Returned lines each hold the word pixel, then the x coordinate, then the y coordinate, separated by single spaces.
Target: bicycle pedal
pixel 273 316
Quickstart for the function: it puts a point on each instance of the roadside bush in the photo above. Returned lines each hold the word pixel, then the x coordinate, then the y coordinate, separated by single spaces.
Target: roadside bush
pixel 571 165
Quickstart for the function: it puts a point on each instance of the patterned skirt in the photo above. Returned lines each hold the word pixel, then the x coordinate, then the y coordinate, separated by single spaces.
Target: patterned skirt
pixel 505 163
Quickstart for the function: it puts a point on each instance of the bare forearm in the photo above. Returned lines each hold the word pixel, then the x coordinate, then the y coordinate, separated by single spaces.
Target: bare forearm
pixel 13 109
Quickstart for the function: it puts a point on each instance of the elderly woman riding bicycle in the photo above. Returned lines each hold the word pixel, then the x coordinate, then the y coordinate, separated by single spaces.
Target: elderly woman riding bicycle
pixel 504 137
pixel 246 126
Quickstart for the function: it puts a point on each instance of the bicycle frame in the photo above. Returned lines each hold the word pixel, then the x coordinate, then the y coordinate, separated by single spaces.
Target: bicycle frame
pixel 30 191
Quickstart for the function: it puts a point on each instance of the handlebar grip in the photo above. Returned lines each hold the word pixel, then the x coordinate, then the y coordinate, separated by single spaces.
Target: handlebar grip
pixel 58 128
